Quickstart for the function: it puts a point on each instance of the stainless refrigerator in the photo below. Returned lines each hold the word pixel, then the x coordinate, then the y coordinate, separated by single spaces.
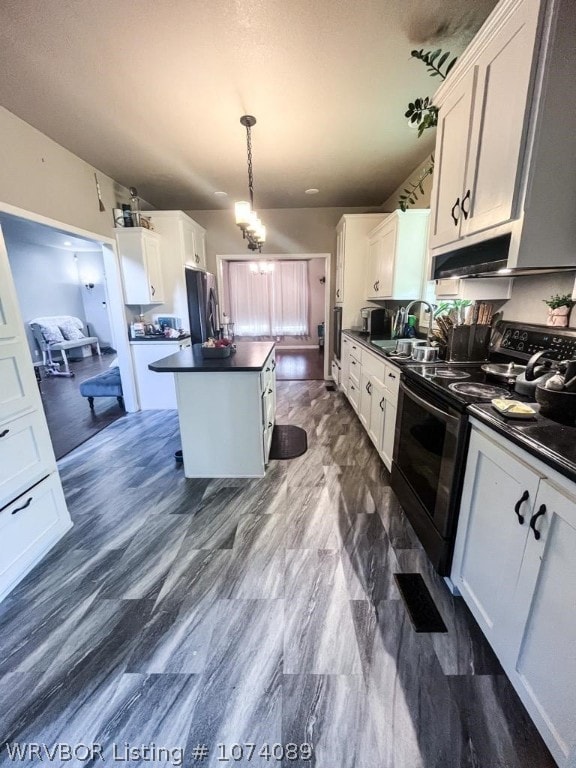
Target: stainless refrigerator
pixel 203 309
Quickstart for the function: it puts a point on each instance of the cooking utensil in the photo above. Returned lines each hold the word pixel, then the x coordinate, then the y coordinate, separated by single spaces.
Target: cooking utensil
pixel 558 406
pixel 428 354
pixel 403 347
pixel 504 371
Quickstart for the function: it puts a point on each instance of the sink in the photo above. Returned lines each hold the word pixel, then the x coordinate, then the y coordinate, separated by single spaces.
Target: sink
pixel 385 344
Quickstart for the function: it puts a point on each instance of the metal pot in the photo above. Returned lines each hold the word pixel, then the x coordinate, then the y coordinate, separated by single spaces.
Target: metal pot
pixel 403 347
pixel 504 371
pixel 428 354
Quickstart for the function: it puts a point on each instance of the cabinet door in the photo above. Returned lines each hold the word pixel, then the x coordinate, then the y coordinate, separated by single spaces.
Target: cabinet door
pixel 545 600
pixel 365 399
pixel 9 320
pixel 200 248
pixel 386 259
pixel 154 270
pixel 503 81
pixel 18 387
pixel 189 244
pixel 378 408
pixel 340 266
pixel 372 268
pixel 452 147
pixel 26 454
pixel 388 433
pixel 344 363
pixel 497 502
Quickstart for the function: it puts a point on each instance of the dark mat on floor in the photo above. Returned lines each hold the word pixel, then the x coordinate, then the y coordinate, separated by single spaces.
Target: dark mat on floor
pixel 422 610
pixel 288 442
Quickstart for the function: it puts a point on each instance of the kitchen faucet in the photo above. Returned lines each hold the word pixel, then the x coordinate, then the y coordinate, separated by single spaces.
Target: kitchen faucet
pixel 430 318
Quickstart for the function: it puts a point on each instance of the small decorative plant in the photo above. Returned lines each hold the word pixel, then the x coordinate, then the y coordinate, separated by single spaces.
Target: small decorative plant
pixel 559 307
pixel 422 113
pixel 556 301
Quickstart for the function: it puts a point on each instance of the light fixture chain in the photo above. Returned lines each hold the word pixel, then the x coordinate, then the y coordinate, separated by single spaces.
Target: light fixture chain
pixel 250 172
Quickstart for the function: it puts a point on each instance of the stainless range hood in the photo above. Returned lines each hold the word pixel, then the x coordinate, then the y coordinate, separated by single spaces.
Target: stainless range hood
pixel 486 259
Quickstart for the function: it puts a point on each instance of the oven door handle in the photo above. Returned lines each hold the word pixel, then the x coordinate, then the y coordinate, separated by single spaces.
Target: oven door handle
pixel 426 405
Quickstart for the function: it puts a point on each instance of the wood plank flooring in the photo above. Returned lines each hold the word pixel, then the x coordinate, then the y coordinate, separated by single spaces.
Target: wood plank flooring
pixel 299 364
pixel 70 420
pixel 195 612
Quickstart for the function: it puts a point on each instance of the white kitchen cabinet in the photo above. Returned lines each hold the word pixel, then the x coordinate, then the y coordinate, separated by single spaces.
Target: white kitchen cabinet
pixel 477 151
pixel 140 259
pixel 344 363
pixel 514 565
pixel 397 250
pixel 154 392
pixel 490 288
pixel 517 76
pixel 351 259
pixel 194 240
pixel 372 385
pixel 33 513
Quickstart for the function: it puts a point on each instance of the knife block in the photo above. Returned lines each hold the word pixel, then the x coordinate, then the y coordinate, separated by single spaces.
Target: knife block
pixel 468 343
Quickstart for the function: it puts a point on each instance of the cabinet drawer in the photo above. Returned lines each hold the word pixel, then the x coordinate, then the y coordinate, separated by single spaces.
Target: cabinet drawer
pixel 391 383
pixel 267 375
pixel 356 351
pixel 29 526
pixel 18 390
pixel 355 368
pixel 373 365
pixel 26 454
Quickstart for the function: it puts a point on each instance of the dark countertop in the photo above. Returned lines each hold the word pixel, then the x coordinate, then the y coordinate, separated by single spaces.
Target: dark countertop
pixel 366 340
pixel 553 443
pixel 249 356
pixel 158 337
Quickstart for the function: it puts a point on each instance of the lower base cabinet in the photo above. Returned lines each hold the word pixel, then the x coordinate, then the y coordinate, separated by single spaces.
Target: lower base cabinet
pixel 515 565
pixel 371 386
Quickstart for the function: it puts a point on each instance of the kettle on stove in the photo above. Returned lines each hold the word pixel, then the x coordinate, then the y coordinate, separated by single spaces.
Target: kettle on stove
pixel 537 371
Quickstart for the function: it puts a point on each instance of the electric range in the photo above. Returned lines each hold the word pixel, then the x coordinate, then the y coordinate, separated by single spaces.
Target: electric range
pixel 431 432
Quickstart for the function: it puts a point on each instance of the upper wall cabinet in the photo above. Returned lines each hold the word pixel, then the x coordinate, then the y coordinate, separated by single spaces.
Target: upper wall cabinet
pixel 505 151
pixel 351 259
pixel 397 256
pixel 194 243
pixel 139 250
pixel 481 129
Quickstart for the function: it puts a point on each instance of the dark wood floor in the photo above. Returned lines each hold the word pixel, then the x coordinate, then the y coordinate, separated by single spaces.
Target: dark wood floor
pixel 203 612
pixel 70 420
pixel 299 364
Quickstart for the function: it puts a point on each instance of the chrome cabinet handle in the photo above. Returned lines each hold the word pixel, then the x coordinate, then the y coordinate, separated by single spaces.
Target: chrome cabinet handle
pixel 19 509
pixel 525 496
pixel 535 516
pixel 465 211
pixel 455 207
pixel 4 433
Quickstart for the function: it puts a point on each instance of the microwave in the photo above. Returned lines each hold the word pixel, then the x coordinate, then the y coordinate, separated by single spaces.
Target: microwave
pixel 168 321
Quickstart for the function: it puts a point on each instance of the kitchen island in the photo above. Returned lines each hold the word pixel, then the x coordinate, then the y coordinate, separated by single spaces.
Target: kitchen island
pixel 226 408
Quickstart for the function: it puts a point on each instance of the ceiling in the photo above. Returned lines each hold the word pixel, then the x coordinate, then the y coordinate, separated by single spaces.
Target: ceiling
pixel 17 230
pixel 151 92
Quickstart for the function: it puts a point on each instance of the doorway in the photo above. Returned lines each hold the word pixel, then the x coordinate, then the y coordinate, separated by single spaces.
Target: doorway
pixel 61 273
pixel 282 298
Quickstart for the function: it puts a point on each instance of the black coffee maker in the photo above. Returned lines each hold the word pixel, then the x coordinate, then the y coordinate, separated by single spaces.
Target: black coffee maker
pixel 375 321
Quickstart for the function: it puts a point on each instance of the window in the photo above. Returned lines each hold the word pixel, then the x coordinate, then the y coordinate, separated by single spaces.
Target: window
pixel 269 298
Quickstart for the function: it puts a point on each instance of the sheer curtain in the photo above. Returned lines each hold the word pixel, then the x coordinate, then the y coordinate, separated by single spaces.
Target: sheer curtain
pixel 274 303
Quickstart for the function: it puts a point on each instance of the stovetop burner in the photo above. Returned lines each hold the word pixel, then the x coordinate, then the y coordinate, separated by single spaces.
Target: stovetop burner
pixel 450 373
pixel 478 390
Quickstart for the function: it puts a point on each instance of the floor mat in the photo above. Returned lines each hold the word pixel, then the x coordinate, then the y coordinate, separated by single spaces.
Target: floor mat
pixel 422 610
pixel 288 442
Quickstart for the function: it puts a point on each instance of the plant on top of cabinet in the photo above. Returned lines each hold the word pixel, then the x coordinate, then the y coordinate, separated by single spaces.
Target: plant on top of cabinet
pixel 423 113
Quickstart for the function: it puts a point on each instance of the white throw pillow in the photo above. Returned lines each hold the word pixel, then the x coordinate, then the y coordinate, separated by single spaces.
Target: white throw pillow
pixel 70 331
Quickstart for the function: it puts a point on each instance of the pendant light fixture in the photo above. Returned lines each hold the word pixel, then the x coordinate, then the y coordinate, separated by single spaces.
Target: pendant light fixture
pixel 246 218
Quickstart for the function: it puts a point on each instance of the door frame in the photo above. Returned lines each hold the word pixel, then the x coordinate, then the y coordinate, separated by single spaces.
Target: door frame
pixel 113 278
pixel 221 258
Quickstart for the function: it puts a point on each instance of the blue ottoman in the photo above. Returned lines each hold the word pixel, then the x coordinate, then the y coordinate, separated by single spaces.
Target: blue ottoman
pixel 106 384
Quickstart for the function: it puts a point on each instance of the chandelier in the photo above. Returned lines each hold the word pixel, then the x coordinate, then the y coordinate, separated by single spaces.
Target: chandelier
pixel 246 218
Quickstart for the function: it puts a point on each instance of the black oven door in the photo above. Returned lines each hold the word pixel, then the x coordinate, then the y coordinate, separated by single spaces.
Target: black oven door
pixel 426 455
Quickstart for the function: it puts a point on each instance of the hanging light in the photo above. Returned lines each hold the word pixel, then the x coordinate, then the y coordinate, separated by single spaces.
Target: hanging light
pixel 246 217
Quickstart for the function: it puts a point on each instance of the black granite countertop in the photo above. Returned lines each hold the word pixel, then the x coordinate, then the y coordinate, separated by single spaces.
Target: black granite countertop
pixel 551 442
pixel 158 338
pixel 249 356
pixel 367 341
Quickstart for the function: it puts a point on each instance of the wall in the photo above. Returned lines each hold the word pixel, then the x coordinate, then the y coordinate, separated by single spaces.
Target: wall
pixel 288 230
pixel 423 201
pixel 38 175
pixel 95 300
pixel 526 303
pixel 46 282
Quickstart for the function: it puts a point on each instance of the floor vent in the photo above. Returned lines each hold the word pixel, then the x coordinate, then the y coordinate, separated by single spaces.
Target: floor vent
pixel 421 608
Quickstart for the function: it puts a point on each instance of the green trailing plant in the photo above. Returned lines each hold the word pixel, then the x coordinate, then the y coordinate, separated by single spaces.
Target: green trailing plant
pixel 445 306
pixel 415 188
pixel 556 301
pixel 423 114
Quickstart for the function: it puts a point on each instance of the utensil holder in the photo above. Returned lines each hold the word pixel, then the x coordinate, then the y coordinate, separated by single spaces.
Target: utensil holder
pixel 468 343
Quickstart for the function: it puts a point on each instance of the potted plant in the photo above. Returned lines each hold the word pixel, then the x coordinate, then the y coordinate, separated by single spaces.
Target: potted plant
pixel 559 308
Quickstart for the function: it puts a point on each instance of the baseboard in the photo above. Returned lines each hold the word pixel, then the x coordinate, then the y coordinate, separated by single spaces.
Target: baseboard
pixel 280 347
